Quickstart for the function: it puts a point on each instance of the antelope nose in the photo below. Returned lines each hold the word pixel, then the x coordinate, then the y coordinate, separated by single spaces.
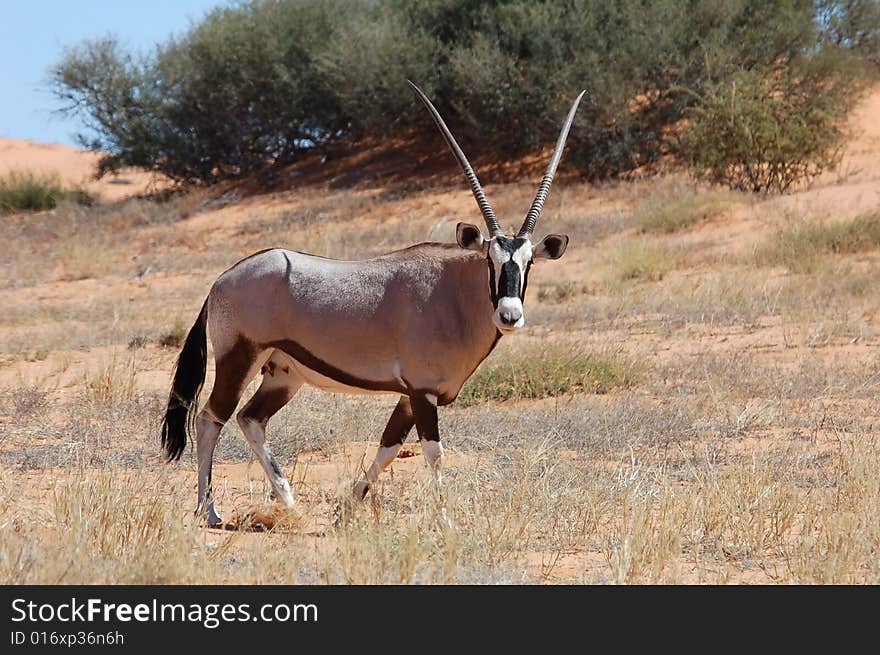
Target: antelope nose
pixel 509 317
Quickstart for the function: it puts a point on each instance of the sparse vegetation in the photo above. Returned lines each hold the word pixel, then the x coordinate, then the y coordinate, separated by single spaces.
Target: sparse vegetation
pixel 641 260
pixel 711 425
pixel 801 246
pixel 559 292
pixel 683 210
pixel 29 192
pixel 85 258
pixel 546 372
pixel 113 383
pixel 651 495
pixel 174 337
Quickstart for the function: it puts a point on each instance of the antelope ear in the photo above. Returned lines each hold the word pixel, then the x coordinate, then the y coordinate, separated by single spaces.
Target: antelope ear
pixel 469 237
pixel 552 246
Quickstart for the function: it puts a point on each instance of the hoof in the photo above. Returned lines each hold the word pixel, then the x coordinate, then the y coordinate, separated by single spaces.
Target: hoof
pixel 212 518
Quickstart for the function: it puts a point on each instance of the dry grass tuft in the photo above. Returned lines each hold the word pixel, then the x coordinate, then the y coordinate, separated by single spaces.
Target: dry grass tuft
pixel 683 209
pixel 641 260
pixel 803 246
pixel 560 292
pixel 174 337
pixel 84 259
pixel 113 383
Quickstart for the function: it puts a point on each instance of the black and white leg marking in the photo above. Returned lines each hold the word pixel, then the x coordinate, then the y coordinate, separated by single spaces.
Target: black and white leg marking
pixel 207 434
pixel 425 412
pixel 396 431
pixel 280 384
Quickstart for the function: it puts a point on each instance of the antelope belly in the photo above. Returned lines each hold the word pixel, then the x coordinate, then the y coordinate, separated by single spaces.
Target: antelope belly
pixel 329 384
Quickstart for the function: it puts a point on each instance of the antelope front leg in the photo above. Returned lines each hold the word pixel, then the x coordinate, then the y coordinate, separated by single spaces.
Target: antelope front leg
pixel 395 433
pixel 425 412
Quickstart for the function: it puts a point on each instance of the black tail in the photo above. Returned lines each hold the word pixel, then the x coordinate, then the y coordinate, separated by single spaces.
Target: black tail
pixel 189 376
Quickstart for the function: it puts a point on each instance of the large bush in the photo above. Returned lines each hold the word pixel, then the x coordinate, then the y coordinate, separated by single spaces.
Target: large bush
pixel 238 91
pixel 766 132
pixel 366 64
pixel 258 83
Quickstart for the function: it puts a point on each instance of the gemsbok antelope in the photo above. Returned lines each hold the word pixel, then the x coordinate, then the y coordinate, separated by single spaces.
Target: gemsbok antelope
pixel 415 322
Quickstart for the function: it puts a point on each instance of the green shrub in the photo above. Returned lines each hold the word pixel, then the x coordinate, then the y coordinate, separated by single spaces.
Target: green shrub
pixel 770 131
pixel 261 82
pixel 28 192
pixel 367 62
pixel 554 370
pixel 851 24
pixel 238 92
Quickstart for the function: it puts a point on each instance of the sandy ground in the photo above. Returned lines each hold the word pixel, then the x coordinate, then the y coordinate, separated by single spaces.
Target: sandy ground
pixel 73 167
pixel 38 314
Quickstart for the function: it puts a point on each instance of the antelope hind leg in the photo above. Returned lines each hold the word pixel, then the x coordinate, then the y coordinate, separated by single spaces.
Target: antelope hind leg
pixel 280 384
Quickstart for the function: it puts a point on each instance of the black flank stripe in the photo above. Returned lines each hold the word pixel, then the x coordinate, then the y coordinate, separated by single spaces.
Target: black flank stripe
pixel 318 365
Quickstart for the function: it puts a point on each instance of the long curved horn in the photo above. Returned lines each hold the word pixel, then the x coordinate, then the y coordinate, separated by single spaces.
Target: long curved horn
pixel 482 201
pixel 528 225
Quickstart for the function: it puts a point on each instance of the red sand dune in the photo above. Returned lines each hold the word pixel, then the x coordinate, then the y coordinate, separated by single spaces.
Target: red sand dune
pixel 72 167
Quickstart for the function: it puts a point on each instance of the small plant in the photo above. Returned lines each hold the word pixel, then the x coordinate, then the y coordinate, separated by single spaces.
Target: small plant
pixel 28 401
pixel 174 337
pixel 801 247
pixel 641 260
pixel 137 341
pixel 559 292
pixel 28 192
pixel 681 212
pixel 85 258
pixel 113 382
pixel 37 356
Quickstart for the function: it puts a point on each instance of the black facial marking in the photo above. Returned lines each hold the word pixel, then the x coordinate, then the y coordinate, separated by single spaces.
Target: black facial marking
pixel 509 244
pixel 509 281
pixel 522 296
pixel 493 291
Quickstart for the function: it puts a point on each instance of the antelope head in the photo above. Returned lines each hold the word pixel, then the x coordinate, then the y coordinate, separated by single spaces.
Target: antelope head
pixel 509 258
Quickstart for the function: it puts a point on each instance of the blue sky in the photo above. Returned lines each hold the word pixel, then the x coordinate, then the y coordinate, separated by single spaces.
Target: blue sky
pixel 34 33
